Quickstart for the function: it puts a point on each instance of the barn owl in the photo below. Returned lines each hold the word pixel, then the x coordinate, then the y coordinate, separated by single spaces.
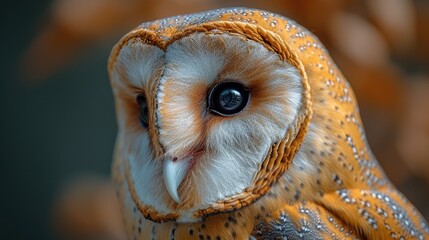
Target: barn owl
pixel 236 124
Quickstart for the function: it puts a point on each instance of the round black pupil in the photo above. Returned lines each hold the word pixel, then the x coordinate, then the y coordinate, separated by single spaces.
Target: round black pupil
pixel 230 99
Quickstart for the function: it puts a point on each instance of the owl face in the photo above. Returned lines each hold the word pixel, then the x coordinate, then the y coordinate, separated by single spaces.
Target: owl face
pixel 207 120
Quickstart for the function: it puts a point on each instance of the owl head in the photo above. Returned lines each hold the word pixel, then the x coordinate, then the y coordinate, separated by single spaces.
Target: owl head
pixel 210 112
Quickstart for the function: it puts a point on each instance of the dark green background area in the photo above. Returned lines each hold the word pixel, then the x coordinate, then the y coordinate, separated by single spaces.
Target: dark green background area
pixel 51 131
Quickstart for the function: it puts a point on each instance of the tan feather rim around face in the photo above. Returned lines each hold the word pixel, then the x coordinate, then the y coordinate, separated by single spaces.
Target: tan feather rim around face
pixel 280 154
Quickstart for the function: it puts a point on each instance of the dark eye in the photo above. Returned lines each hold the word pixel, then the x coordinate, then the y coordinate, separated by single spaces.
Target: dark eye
pixel 228 98
pixel 143 110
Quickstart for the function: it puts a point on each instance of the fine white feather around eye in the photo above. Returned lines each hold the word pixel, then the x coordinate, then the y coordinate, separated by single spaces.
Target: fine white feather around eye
pixel 235 145
pixel 219 150
pixel 137 62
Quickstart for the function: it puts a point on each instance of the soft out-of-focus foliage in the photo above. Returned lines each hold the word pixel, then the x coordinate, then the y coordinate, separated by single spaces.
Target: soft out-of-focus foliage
pixel 381 47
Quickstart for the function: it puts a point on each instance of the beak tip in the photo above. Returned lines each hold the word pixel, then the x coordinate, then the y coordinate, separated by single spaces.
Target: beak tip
pixel 176 198
pixel 174 172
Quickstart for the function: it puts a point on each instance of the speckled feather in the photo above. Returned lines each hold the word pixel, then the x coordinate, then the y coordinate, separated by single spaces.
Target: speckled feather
pixel 343 193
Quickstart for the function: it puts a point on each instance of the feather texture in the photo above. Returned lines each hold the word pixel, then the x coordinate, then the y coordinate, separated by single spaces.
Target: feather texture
pixel 293 164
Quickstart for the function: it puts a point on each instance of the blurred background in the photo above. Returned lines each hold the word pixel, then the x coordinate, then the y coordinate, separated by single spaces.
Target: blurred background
pixel 57 117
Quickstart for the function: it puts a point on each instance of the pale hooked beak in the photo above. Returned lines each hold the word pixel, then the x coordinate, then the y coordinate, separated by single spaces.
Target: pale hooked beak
pixel 174 171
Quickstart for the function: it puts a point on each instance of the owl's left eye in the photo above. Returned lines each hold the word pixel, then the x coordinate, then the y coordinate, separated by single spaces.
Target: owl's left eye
pixel 228 98
pixel 143 110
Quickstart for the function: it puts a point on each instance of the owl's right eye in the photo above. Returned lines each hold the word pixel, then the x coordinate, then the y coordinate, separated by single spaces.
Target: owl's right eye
pixel 143 110
pixel 228 98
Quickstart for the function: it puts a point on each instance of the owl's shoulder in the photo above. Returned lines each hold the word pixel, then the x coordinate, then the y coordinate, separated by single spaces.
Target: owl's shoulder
pixel 346 214
pixel 302 220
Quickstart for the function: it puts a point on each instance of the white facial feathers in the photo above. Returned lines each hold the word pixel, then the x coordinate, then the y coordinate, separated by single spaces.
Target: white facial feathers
pixel 226 152
pixel 137 62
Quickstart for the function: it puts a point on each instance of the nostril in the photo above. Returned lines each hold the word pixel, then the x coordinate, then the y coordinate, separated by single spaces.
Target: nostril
pixel 174 159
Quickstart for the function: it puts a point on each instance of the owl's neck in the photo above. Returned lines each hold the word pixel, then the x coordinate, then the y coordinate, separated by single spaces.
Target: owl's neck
pixel 233 225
